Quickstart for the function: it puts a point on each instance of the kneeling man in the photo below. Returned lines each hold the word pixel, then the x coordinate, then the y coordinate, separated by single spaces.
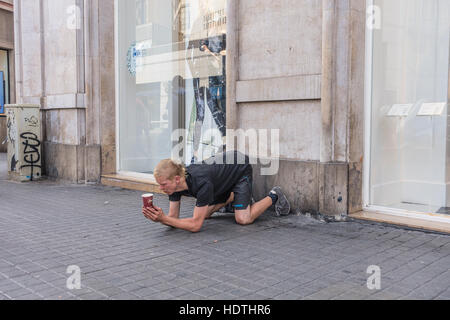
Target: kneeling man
pixel 215 184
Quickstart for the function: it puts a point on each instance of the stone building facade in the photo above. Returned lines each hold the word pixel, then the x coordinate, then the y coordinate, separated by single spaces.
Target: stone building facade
pixel 301 67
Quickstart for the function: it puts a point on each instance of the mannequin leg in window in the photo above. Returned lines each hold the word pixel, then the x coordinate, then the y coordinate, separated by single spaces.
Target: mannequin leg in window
pixel 216 103
pixel 199 93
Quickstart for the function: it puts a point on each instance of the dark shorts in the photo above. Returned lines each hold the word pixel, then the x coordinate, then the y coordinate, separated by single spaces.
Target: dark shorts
pixel 242 193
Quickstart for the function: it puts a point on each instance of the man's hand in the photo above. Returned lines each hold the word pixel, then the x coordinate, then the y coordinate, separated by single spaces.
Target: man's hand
pixel 193 224
pixel 154 213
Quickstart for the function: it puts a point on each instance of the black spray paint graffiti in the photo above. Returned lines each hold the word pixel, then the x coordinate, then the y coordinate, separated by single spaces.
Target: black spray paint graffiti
pixel 13 163
pixel 32 122
pixel 31 152
pixel 11 128
pixel 11 138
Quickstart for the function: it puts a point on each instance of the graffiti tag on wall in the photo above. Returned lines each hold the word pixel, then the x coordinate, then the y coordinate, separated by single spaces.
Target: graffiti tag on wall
pixel 24 143
pixel 31 155
pixel 11 134
pixel 32 121
pixel 11 127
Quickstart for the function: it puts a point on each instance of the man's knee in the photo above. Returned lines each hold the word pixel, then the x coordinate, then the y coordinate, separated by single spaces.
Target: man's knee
pixel 244 219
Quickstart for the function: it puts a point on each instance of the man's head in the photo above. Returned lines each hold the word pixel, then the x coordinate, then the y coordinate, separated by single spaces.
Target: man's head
pixel 169 175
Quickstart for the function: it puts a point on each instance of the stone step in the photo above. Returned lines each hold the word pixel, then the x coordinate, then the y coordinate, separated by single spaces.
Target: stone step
pixel 130 182
pixel 412 222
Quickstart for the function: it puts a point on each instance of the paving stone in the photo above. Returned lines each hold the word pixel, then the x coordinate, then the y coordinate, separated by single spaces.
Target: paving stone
pixel 177 292
pixel 125 296
pixel 62 296
pixel 207 292
pixel 255 296
pixel 239 292
pixel 48 291
pixel 17 293
pixel 111 291
pixel 288 296
pixel 92 296
pixel 30 296
pixel 270 292
pixel 144 292
pixel 383 295
pixel 193 296
pixel 130 287
pixel 160 296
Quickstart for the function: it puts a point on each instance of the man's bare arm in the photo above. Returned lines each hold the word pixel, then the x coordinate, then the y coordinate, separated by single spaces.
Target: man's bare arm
pixel 174 209
pixel 193 224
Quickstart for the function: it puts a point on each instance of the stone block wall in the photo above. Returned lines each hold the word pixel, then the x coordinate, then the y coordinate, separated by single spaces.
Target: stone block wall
pixel 298 66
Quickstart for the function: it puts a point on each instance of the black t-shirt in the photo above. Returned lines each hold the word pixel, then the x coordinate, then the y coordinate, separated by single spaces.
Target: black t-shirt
pixel 212 181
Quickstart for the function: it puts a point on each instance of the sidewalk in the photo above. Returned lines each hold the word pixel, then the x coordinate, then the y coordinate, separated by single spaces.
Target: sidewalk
pixel 46 227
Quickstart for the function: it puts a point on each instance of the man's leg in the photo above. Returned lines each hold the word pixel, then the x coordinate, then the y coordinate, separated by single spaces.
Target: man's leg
pixel 246 212
pixel 217 207
pixel 249 215
pixel 276 197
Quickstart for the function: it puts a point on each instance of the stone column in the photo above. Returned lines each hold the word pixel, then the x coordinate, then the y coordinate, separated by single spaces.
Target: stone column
pixel 328 79
pixel 342 106
pixel 232 65
pixel 356 107
pixel 92 85
pixel 106 86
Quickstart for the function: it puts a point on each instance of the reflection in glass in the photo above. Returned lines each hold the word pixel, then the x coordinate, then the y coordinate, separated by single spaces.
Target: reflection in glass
pixel 171 76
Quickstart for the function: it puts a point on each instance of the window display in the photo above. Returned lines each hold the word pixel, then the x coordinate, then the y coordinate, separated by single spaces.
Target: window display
pixel 171 76
pixel 409 127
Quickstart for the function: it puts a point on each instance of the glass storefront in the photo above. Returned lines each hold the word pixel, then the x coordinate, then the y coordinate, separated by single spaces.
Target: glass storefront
pixel 4 80
pixel 409 167
pixel 171 75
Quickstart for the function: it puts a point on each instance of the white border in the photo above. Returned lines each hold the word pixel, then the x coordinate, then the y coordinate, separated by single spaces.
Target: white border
pixel 435 217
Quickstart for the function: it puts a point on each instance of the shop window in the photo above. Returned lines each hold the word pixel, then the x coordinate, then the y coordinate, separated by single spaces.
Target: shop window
pixel 409 112
pixel 4 81
pixel 171 76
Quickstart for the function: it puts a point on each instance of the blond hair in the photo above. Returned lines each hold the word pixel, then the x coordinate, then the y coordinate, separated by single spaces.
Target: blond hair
pixel 169 169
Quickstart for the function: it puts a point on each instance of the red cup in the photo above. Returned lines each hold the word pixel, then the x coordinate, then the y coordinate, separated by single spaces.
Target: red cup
pixel 148 200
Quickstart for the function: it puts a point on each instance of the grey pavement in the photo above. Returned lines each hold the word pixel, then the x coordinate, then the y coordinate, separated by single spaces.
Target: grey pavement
pixel 45 227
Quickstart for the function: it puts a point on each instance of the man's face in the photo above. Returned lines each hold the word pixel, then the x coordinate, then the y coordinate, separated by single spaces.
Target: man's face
pixel 168 186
